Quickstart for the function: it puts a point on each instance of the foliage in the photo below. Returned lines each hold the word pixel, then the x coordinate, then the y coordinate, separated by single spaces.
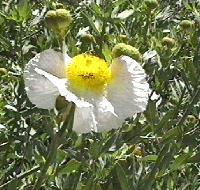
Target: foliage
pixel 157 150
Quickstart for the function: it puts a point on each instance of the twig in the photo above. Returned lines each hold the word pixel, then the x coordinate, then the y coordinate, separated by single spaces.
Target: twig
pixel 20 176
pixel 187 111
pixel 56 141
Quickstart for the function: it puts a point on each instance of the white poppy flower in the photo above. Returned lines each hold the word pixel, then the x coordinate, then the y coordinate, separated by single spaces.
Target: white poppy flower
pixel 104 95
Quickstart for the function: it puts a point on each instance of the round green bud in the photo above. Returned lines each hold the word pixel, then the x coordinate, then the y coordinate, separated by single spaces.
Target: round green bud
pixel 186 24
pixel 170 42
pixel 88 38
pixel 61 103
pixel 197 23
pixel 58 5
pixel 138 151
pixel 59 21
pixel 123 37
pixel 49 18
pixel 124 49
pixel 152 4
pixel 192 119
pixel 3 71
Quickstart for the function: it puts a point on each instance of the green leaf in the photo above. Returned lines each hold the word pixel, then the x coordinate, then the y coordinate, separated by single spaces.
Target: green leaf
pixel 61 155
pixel 5 43
pixel 96 186
pixel 164 122
pixel 150 158
pixel 71 166
pixel 151 112
pixel 91 23
pixel 23 11
pixel 170 134
pixel 110 186
pixel 195 158
pixel 12 185
pixel 122 177
pixel 107 53
pixel 79 186
pixel 125 14
pixel 180 161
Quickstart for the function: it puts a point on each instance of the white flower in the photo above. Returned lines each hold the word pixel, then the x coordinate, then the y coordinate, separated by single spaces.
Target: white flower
pixel 104 95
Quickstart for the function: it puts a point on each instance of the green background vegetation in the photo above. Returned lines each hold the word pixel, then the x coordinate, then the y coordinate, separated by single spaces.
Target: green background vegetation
pixel 159 150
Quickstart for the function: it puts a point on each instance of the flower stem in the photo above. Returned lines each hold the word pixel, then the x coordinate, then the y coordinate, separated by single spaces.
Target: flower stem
pixel 51 155
pixel 66 58
pixel 20 176
pixel 55 143
pixel 194 100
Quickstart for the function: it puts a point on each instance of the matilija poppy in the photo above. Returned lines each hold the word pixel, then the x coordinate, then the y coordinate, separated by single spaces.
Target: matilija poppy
pixel 104 94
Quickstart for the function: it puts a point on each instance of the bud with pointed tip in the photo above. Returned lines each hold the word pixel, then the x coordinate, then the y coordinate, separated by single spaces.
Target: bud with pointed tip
pixel 170 42
pixel 58 5
pixel 151 4
pixel 124 49
pixel 3 71
pixel 61 103
pixel 59 21
pixel 88 38
pixel 186 24
pixel 123 37
pixel 138 151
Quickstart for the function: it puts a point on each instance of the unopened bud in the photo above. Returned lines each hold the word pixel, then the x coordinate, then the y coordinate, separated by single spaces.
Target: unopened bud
pixel 124 49
pixel 58 5
pixel 138 151
pixel 3 71
pixel 61 103
pixel 59 21
pixel 168 41
pixel 123 37
pixel 151 4
pixel 186 24
pixel 192 119
pixel 88 38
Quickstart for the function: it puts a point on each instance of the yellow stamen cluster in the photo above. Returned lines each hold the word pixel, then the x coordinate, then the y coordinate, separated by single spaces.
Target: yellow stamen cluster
pixel 88 73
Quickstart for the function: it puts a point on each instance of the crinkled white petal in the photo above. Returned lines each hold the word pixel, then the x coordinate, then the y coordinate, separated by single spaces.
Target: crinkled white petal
pixel 84 120
pixel 50 61
pixel 105 116
pixel 129 90
pixel 100 117
pixel 40 90
pixel 61 85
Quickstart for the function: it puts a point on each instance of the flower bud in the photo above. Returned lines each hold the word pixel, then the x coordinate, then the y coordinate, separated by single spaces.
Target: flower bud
pixel 61 103
pixel 3 71
pixel 192 119
pixel 186 24
pixel 138 151
pixel 170 42
pixel 58 5
pixel 123 37
pixel 59 21
pixel 88 38
pixel 124 49
pixel 151 4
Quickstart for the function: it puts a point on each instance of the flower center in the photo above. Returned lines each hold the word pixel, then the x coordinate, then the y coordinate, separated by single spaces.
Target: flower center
pixel 87 72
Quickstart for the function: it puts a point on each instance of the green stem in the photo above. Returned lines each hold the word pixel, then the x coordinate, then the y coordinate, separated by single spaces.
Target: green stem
pixel 64 48
pixel 21 47
pixel 55 143
pixel 49 160
pixel 177 130
pixel 20 176
pixel 187 111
